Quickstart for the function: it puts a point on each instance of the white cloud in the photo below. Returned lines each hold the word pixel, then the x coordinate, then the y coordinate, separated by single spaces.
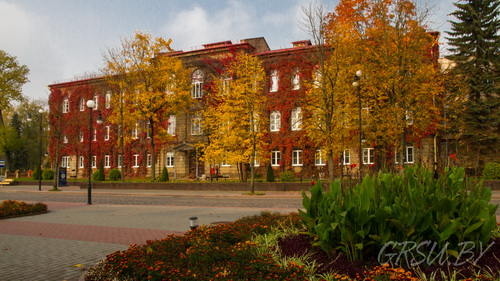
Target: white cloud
pixel 197 25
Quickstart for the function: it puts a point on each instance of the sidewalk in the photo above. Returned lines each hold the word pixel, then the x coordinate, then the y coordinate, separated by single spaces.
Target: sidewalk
pixel 149 192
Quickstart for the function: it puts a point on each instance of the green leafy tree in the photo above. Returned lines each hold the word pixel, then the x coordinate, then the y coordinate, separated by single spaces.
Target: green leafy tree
pixel 12 77
pixel 475 46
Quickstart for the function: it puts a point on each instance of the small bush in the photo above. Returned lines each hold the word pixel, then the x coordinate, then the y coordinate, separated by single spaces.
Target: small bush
pixel 164 175
pixel 492 171
pixel 37 173
pixel 99 174
pixel 114 175
pixel 10 208
pixel 270 174
pixel 48 175
pixel 287 176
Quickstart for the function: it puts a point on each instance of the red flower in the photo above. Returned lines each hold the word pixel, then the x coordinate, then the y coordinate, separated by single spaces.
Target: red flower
pixel 372 164
pixel 453 157
pixel 353 166
pixel 313 183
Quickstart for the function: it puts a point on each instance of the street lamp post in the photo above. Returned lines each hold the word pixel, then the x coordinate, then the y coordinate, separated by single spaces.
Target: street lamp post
pixel 40 148
pixel 91 105
pixel 40 152
pixel 356 83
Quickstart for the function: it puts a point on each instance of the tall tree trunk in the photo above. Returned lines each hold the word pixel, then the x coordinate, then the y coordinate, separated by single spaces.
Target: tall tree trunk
pixel 331 175
pixel 153 153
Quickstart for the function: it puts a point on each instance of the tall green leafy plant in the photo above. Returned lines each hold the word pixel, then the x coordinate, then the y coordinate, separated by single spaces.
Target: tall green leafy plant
pixel 414 207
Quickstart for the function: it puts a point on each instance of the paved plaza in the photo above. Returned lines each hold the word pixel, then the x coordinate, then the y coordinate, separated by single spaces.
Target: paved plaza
pixel 72 236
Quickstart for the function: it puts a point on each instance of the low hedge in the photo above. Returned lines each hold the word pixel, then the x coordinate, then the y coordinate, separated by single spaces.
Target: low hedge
pixel 11 208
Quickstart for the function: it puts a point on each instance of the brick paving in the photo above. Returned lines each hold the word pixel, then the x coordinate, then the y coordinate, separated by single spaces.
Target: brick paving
pixel 72 236
pixel 60 244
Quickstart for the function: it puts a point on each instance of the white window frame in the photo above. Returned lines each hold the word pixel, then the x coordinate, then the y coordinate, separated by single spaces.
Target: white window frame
pixel 148 128
pixel 106 136
pixel 196 129
pixel 346 157
pixel 297 158
pixel 197 84
pixel 107 161
pixel 107 100
pixel 275 121
pixel 65 139
pixel 81 162
pixel 96 101
pixel 135 157
pixel 65 106
pixel 80 136
pixel 319 160
pixel 275 158
pixel 135 131
pixel 296 80
pixel 172 122
pixel 148 160
pixel 296 119
pixel 65 161
pixel 410 150
pixel 274 81
pixel 169 159
pixel 409 117
pixel 368 155
pixel 119 161
pixel 94 161
pixel 95 135
pixel 82 104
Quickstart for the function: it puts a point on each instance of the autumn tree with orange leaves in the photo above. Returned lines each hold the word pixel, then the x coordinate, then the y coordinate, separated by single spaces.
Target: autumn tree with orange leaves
pixel 401 87
pixel 149 84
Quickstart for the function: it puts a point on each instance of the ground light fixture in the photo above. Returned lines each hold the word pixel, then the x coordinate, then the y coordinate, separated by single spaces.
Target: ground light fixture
pixel 193 222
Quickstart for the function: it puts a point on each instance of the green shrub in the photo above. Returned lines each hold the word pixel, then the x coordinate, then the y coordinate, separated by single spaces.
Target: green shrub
pixel 492 171
pixel 287 176
pixel 270 174
pixel 384 208
pixel 164 175
pixel 37 173
pixel 48 175
pixel 114 175
pixel 99 174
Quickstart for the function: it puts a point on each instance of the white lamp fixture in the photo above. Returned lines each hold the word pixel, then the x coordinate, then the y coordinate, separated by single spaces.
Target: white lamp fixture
pixel 193 222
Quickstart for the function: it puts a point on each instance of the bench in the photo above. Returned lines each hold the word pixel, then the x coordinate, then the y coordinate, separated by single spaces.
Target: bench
pixel 217 177
pixel 8 182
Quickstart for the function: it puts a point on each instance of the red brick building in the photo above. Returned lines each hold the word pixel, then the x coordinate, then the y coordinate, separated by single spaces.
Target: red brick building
pixel 288 144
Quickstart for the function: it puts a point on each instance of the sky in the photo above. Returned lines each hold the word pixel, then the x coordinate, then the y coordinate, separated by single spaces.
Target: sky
pixel 61 40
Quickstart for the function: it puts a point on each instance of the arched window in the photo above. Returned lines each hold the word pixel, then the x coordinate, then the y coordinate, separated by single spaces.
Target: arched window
pixel 296 119
pixel 275 121
pixel 197 84
pixel 274 81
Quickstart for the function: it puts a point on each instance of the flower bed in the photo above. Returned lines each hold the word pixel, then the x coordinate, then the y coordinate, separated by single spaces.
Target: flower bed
pixel 11 208
pixel 251 248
